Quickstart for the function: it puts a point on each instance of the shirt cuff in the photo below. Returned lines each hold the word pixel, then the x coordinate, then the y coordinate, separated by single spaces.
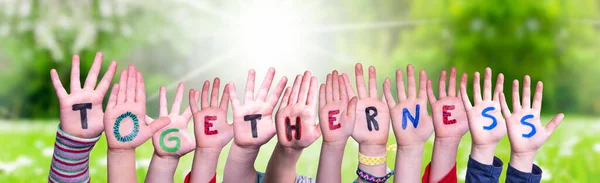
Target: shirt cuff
pixel 493 171
pixel 450 177
pixel 514 175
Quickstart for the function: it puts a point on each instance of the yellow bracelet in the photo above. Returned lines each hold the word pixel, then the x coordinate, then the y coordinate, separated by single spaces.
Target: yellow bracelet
pixel 372 161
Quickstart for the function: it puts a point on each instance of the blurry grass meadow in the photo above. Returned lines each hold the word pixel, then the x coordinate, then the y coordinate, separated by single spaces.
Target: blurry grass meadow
pixel 568 156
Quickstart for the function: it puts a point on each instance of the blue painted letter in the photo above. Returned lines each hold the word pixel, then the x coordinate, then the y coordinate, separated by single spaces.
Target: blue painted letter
pixel 413 120
pixel 533 131
pixel 494 122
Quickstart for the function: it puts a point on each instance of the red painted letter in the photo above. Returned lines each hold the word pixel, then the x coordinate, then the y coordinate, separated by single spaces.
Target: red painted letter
pixel 332 120
pixel 447 114
pixel 208 124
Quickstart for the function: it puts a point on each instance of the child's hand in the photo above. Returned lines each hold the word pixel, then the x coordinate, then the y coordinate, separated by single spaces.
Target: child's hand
pixel 173 140
pixel 486 123
pixel 81 111
pixel 295 119
pixel 449 115
pixel 335 114
pixel 525 130
pixel 125 118
pixel 210 123
pixel 410 119
pixel 372 115
pixel 252 122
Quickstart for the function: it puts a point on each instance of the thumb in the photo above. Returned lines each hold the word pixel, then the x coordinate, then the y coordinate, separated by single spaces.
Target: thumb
pixel 554 123
pixel 159 124
pixel 351 111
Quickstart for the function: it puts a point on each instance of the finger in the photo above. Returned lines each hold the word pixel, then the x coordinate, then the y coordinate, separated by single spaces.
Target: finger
pixel 477 88
pixel 430 94
pixel 335 85
pixel 225 99
pixel 372 82
pixel 412 88
pixel 107 78
pixel 487 84
pixel 148 119
pixel 175 109
pixel 442 85
pixel 343 91
pixel 112 98
pixel 452 83
pixel 122 86
pixel 305 88
pixel 235 101
pixel 526 92
pixel 249 94
pixel 193 100
pixel 463 91
pixel 537 97
pixel 351 111
pixel 140 95
pixel 266 85
pixel 75 83
pixel 550 127
pixel 499 85
pixel 515 96
pixel 92 77
pixel 329 89
pixel 295 90
pixel 401 92
pixel 311 99
pixel 274 98
pixel 286 97
pixel 348 86
pixel 158 124
pixel 131 83
pixel 204 101
pixel 58 87
pixel 505 111
pixel 360 81
pixel 162 94
pixel 388 94
pixel 422 84
pixel 322 100
pixel 214 94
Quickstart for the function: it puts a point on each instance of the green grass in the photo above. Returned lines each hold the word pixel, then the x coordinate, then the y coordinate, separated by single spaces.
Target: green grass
pixel 570 155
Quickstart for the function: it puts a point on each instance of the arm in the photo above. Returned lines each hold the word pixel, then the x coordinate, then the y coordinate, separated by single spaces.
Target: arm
pixel 337 117
pixel 525 131
pixel 252 125
pixel 172 141
pixel 411 123
pixel 296 129
pixel 80 121
pixel 126 112
pixel 450 124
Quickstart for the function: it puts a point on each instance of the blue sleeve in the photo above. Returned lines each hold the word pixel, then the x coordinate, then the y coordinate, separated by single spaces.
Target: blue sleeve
pixel 515 176
pixel 478 172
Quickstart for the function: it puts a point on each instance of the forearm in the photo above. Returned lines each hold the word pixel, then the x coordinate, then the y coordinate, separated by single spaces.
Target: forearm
pixel 282 165
pixel 483 153
pixel 205 164
pixel 522 161
pixel 70 162
pixel 443 158
pixel 162 169
pixel 330 162
pixel 240 165
pixel 121 166
pixel 373 151
pixel 408 163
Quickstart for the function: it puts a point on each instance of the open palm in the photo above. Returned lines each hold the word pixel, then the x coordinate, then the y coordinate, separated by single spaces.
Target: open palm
pixel 210 122
pixel 335 110
pixel 449 115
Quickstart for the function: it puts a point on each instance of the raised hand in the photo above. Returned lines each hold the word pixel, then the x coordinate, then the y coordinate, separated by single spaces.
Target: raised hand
pixel 335 110
pixel 525 131
pixel 372 115
pixel 449 115
pixel 125 118
pixel 295 119
pixel 253 122
pixel 173 140
pixel 81 111
pixel 210 122
pixel 410 119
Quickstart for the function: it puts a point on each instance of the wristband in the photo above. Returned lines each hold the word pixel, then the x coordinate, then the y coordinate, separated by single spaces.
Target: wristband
pixel 373 161
pixel 373 179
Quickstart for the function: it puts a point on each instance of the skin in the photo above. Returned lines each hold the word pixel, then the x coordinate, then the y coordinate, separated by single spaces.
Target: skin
pixel 208 147
pixel 483 141
pixel 411 140
pixel 523 150
pixel 240 161
pixel 163 164
pixel 447 137
pixel 371 143
pixel 127 96
pixel 334 96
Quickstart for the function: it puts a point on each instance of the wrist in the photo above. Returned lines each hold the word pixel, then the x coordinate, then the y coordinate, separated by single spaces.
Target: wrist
pixel 121 151
pixel 522 161
pixel 334 144
pixel 483 154
pixel 372 150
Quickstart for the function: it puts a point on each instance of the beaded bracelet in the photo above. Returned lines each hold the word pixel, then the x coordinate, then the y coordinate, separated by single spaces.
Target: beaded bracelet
pixel 371 178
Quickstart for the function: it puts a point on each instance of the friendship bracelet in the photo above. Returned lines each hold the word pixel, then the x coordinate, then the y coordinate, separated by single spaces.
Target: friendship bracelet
pixel 373 179
pixel 373 161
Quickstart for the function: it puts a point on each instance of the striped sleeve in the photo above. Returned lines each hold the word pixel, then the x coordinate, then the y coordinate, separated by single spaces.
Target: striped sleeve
pixel 70 159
